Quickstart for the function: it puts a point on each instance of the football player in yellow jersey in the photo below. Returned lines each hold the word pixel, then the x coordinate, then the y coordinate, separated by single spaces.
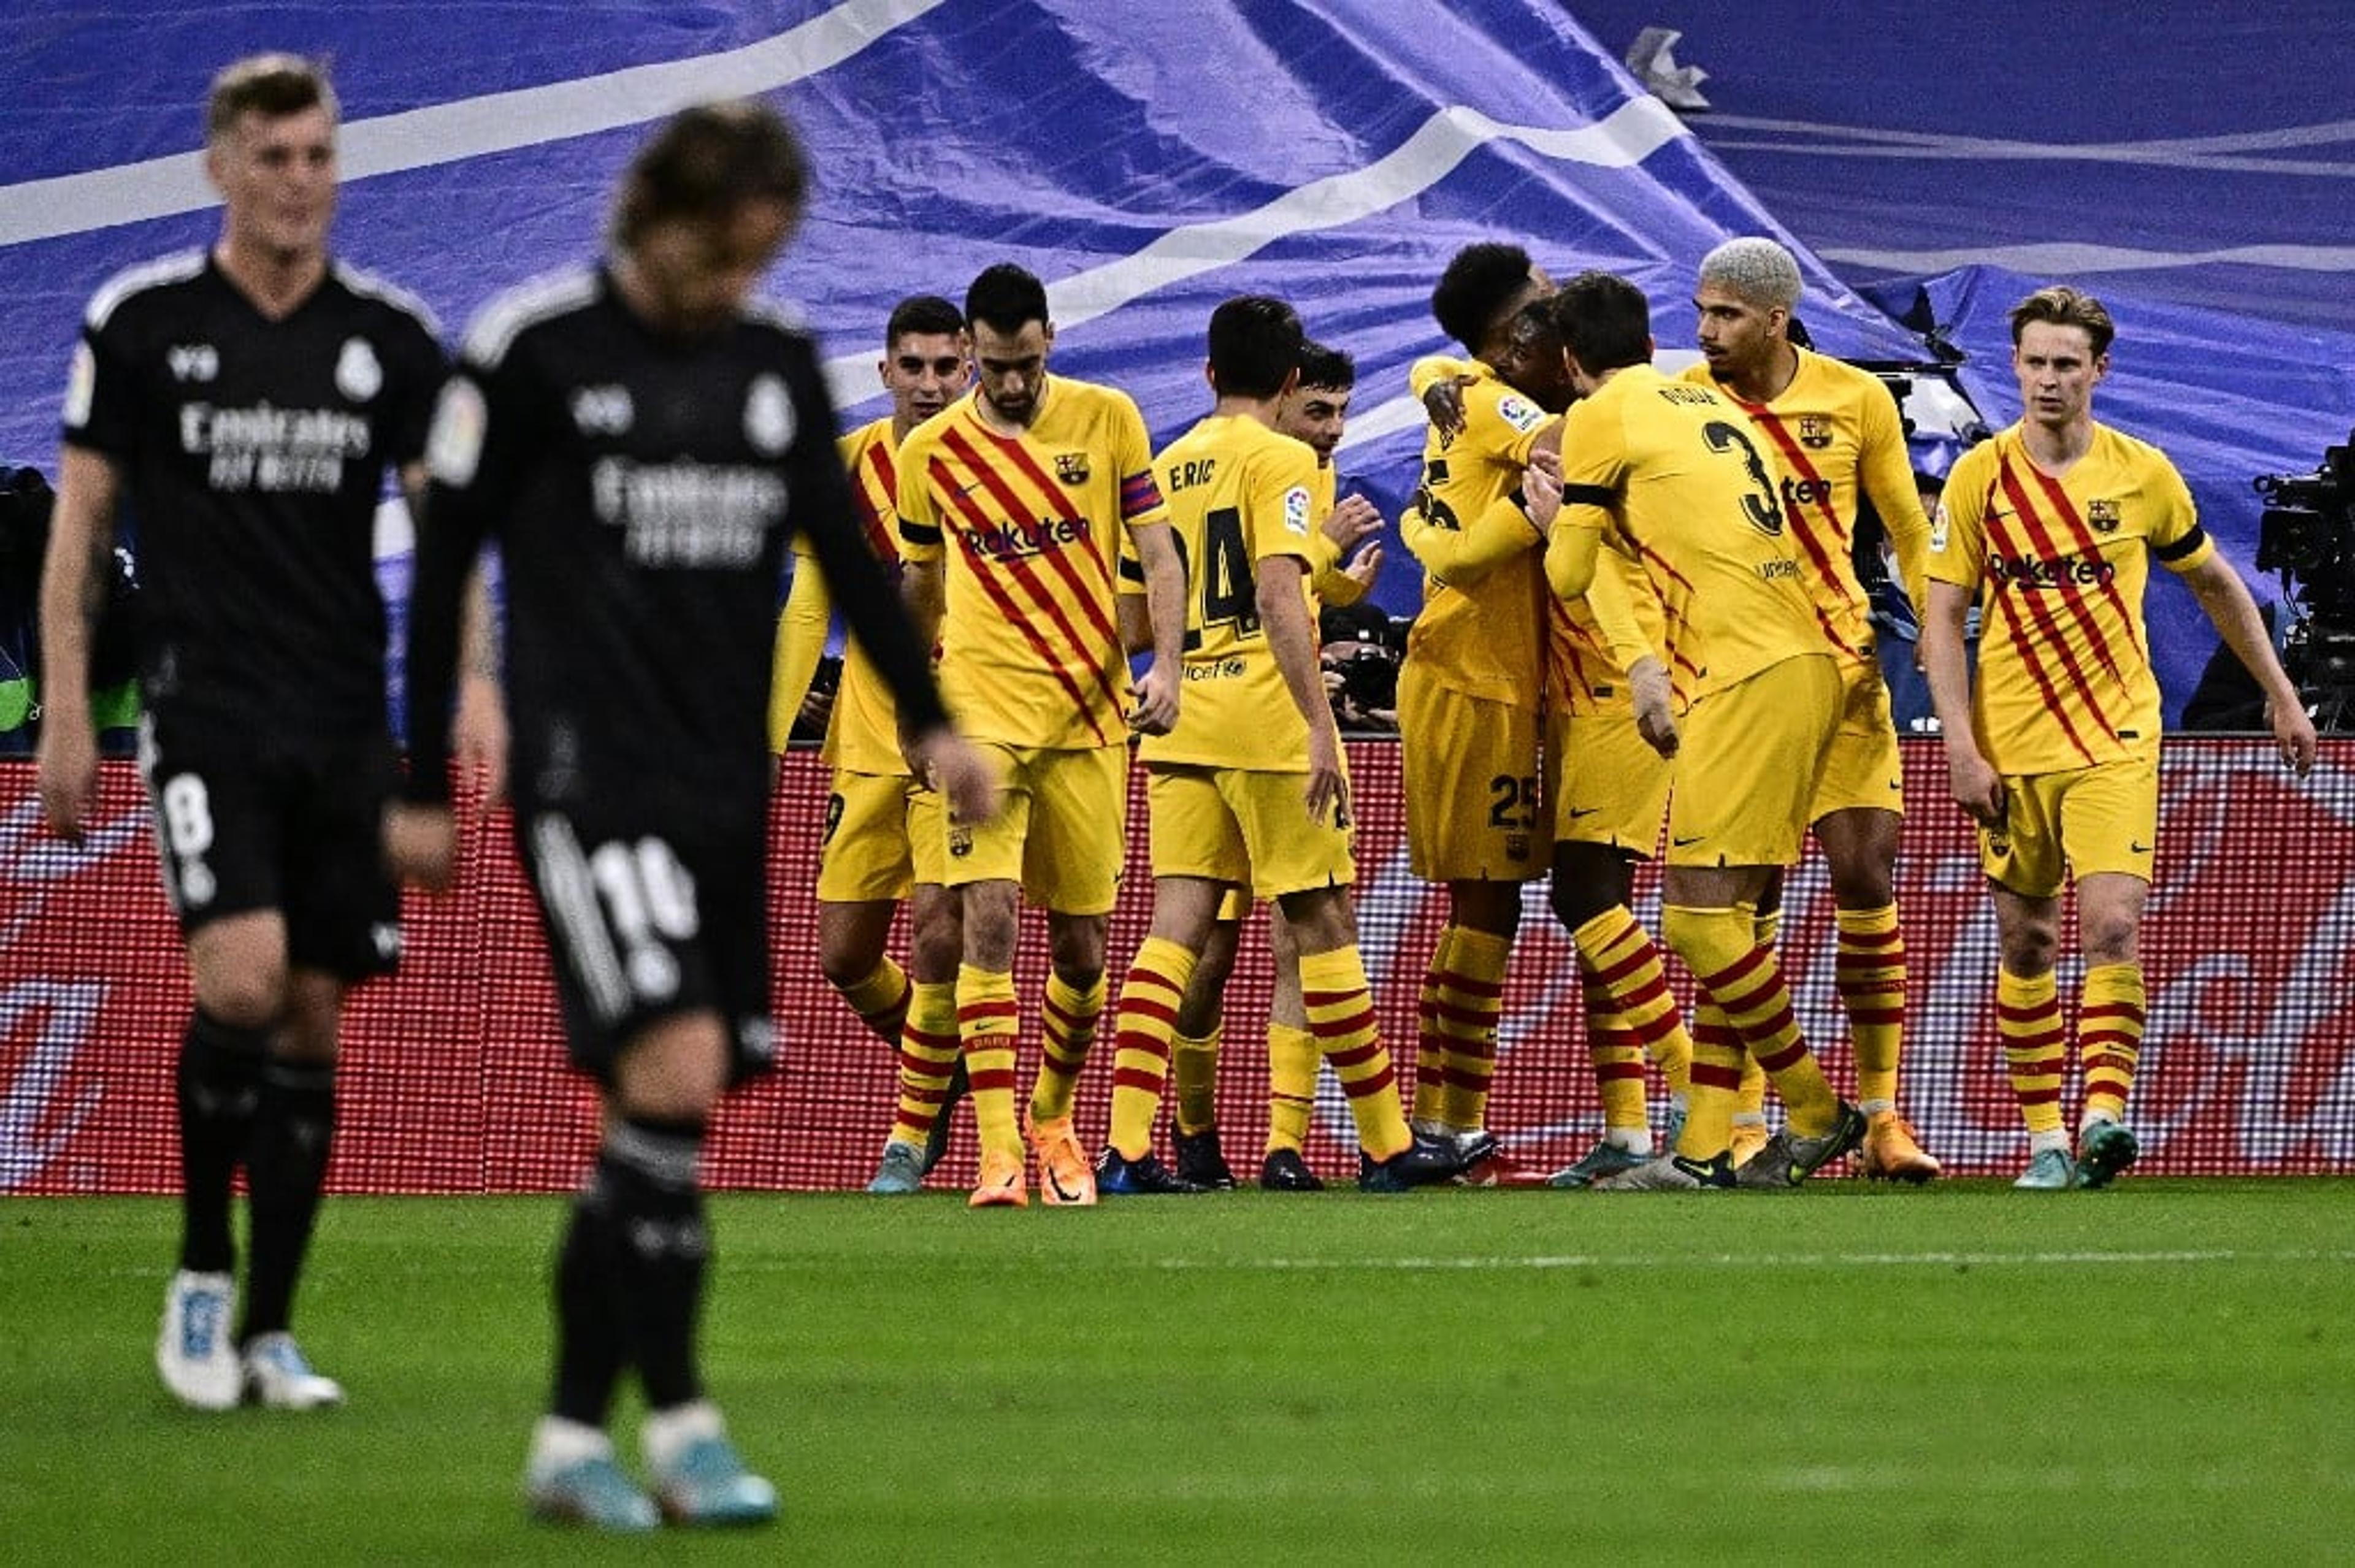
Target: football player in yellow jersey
pixel 1606 783
pixel 1345 555
pixel 1676 476
pixel 1249 788
pixel 1015 506
pixel 1470 690
pixel 2050 526
pixel 883 837
pixel 1837 436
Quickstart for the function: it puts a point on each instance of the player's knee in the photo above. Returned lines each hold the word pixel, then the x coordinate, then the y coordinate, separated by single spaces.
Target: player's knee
pixel 1707 940
pixel 253 996
pixel 1577 900
pixel 2031 950
pixel 2109 938
pixel 673 1070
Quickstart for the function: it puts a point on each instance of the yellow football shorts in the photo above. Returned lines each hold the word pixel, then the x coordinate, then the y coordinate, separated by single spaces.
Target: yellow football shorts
pixel 2078 822
pixel 1470 770
pixel 1747 767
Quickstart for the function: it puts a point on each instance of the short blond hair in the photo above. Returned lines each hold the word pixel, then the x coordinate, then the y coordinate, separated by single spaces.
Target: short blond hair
pixel 271 85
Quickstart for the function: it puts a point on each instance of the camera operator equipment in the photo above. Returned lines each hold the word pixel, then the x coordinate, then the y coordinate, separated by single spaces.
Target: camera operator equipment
pixel 2307 534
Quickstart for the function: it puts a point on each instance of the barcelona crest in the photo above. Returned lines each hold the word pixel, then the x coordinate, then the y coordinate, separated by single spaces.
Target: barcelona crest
pixel 2104 516
pixel 1814 432
pixel 1072 467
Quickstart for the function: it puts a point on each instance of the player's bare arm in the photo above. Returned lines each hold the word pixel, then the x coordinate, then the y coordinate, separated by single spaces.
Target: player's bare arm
pixel 1158 687
pixel 1975 785
pixel 2226 598
pixel 1292 642
pixel 73 592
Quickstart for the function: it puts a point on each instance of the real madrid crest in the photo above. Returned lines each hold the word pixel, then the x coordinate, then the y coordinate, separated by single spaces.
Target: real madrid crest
pixel 2104 516
pixel 1815 431
pixel 1072 467
pixel 358 375
pixel 768 416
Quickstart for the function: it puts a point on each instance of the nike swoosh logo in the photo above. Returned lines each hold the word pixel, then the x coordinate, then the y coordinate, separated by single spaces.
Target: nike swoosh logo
pixel 1681 843
pixel 1578 811
pixel 2137 848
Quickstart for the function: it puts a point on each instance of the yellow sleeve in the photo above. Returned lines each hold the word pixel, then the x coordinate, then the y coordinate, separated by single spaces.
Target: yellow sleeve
pixel 1433 368
pixel 1334 586
pixel 1323 553
pixel 801 644
pixel 1462 556
pixel 1957 552
pixel 919 522
pixel 1611 597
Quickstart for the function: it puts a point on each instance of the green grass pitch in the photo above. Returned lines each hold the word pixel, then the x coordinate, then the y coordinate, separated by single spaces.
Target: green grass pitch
pixel 2163 1372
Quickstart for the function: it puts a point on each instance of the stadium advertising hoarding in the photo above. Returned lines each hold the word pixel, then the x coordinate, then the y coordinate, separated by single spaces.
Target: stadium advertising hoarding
pixel 454 1075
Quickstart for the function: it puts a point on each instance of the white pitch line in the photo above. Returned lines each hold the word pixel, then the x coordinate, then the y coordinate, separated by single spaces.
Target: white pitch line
pixel 1543 1262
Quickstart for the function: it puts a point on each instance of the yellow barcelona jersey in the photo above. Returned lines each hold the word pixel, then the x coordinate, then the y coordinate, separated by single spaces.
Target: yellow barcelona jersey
pixel 1837 436
pixel 1239 493
pixel 1031 528
pixel 1674 474
pixel 1585 672
pixel 2059 567
pixel 862 733
pixel 1483 638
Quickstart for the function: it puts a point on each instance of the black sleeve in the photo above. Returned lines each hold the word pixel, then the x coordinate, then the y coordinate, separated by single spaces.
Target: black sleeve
pixel 419 367
pixel 467 455
pixel 863 590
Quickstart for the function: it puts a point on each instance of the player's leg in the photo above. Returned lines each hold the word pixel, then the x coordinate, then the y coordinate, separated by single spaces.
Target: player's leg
pixel 666 1012
pixel 932 1064
pixel 286 1172
pixel 1630 1011
pixel 1185 908
pixel 1070 868
pixel 219 832
pixel 1292 1063
pixel 982 868
pixel 851 938
pixel 2109 825
pixel 1194 1051
pixel 2025 872
pixel 1759 745
pixel 1470 770
pixel 236 969
pixel 865 869
pixel 1859 802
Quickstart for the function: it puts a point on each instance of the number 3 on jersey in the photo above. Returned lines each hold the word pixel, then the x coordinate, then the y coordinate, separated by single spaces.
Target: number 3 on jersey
pixel 1762 506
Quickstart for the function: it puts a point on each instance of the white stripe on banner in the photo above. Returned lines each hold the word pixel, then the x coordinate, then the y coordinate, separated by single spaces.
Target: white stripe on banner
pixel 1620 141
pixel 497 122
pixel 2064 258
pixel 2220 154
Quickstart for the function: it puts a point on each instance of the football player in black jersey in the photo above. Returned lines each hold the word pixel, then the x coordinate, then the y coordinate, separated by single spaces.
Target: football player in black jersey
pixel 246 401
pixel 642 438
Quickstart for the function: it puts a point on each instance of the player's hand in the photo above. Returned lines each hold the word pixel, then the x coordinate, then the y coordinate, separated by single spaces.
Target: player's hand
pixel 1542 496
pixel 948 763
pixel 1156 713
pixel 2292 735
pixel 1327 793
pixel 1366 567
pixel 478 738
pixel 1653 697
pixel 1977 786
pixel 68 760
pixel 1351 522
pixel 1444 405
pixel 1548 457
pixel 421 844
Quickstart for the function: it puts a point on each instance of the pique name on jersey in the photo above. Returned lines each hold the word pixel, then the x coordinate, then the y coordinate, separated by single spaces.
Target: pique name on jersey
pixel 685 513
pixel 273 450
